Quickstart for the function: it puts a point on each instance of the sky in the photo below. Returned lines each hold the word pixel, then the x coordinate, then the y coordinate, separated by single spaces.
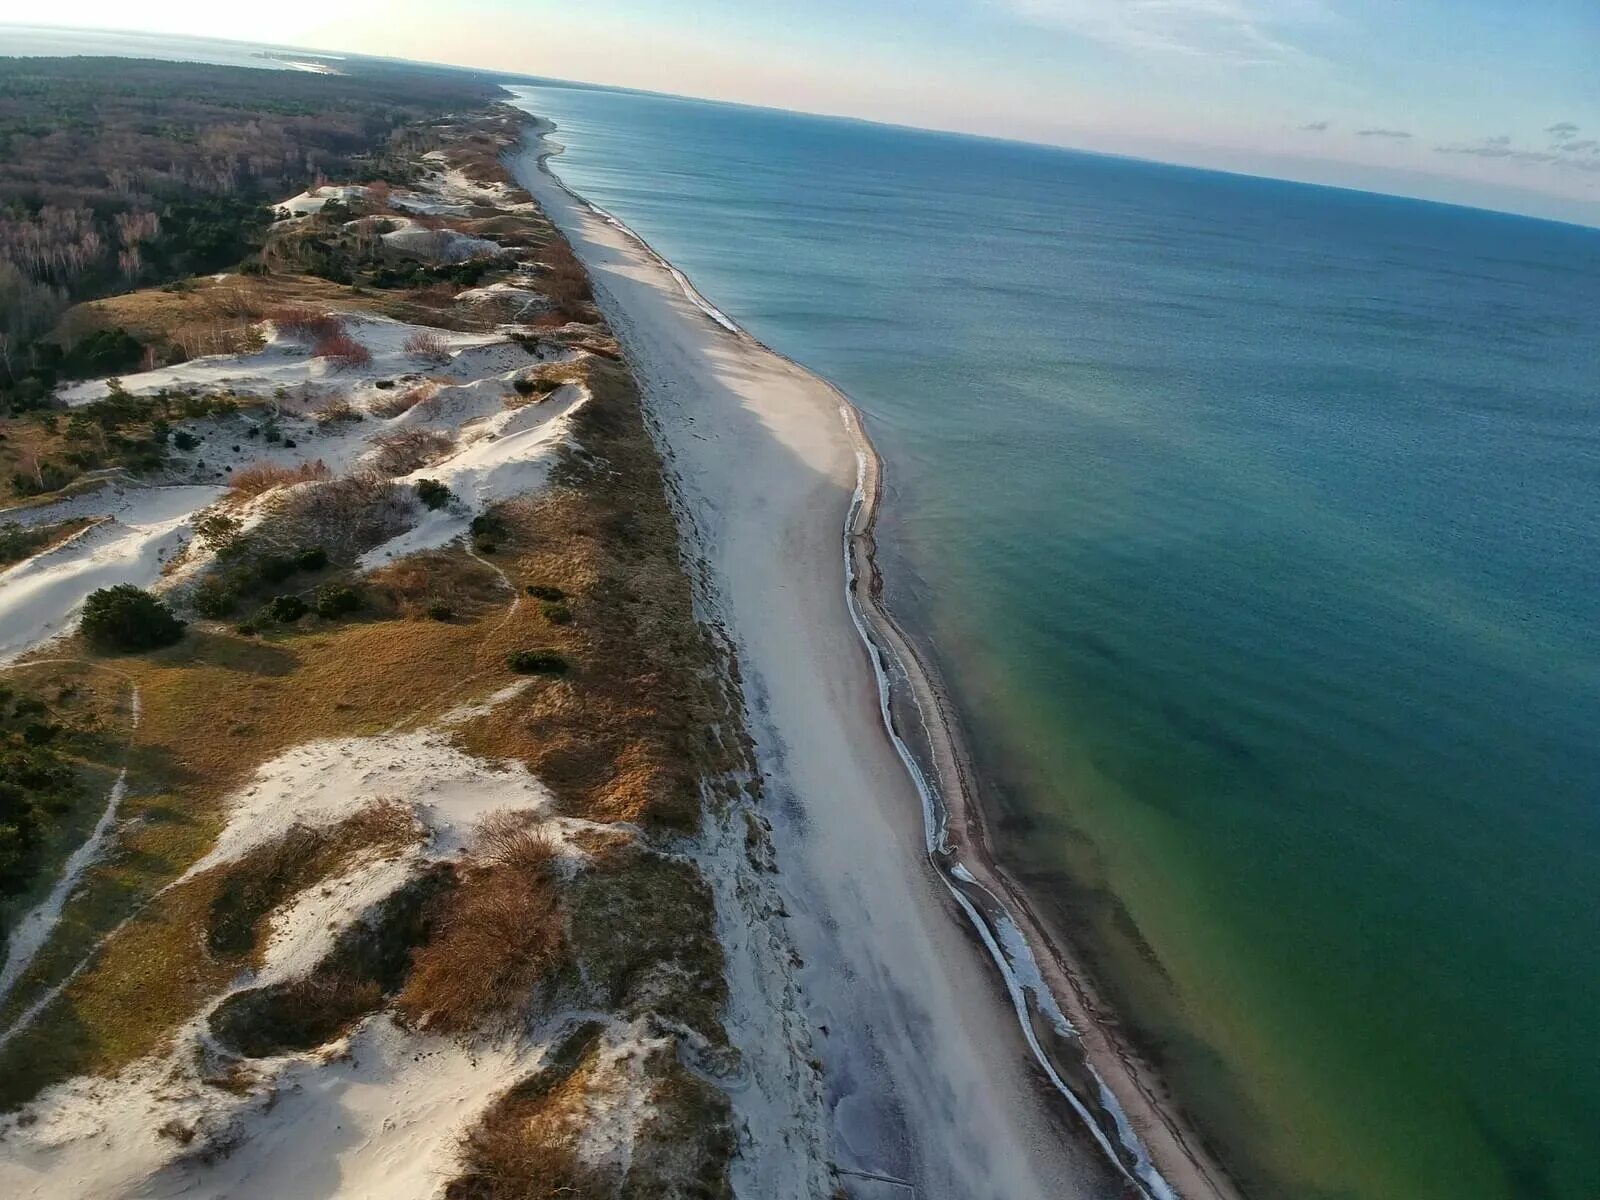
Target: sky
pixel 1487 102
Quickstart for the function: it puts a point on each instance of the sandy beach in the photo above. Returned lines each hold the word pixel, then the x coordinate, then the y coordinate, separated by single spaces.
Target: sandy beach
pixel 931 1080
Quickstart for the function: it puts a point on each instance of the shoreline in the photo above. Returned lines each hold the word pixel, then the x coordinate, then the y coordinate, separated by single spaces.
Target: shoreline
pixel 1114 1096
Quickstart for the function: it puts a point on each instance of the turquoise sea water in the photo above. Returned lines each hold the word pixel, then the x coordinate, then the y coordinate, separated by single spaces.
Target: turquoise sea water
pixel 1256 527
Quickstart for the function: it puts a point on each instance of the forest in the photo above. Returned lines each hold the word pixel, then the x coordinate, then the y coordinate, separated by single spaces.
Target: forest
pixel 121 173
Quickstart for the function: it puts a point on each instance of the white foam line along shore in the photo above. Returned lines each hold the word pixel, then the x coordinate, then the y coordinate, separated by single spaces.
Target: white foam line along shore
pixel 757 457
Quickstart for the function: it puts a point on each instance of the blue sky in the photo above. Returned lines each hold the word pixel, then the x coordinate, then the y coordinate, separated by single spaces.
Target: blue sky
pixel 1478 101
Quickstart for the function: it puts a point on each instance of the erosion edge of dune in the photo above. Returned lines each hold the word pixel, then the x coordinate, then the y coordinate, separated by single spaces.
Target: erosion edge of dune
pixel 1116 1096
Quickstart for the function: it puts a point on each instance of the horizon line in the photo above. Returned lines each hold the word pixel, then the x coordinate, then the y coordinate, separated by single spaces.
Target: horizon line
pixel 528 78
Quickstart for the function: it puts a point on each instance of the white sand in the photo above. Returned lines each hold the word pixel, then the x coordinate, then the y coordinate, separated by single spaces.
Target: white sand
pixel 383 1117
pixel 40 597
pixel 928 1078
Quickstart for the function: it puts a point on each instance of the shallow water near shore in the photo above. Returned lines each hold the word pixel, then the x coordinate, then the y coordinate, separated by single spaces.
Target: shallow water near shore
pixel 1254 528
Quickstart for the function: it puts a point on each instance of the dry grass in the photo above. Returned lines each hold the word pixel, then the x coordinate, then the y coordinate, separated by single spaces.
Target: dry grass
pixel 305 324
pixel 187 945
pixel 335 407
pixel 565 281
pixel 500 933
pixel 342 350
pixel 406 450
pixel 428 346
pixel 402 400
pixel 369 960
pixel 418 581
pixel 345 516
pixel 624 737
pixel 260 477
pixel 154 315
pixel 526 1144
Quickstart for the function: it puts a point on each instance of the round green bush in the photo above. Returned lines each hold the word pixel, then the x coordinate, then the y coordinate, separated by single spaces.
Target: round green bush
pixel 213 599
pixel 337 600
pixel 433 494
pixel 313 559
pixel 286 608
pixel 128 618
pixel 440 611
pixel 537 662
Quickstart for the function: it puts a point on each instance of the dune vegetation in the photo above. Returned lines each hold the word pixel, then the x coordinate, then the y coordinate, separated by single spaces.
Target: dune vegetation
pixel 419 753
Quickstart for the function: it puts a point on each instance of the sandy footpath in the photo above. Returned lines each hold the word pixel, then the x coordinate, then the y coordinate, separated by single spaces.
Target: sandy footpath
pixel 929 1080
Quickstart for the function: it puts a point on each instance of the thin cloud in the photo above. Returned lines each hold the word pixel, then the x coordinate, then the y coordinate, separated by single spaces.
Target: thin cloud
pixel 1238 31
pixel 1383 133
pixel 1315 127
pixel 1581 155
pixel 1563 130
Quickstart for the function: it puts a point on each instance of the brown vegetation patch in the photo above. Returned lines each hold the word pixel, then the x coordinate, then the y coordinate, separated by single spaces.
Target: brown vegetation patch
pixel 367 964
pixel 623 736
pixel 309 325
pixel 342 350
pixel 401 400
pixel 419 581
pixel 260 477
pixel 499 933
pixel 406 450
pixel 526 1145
pixel 345 516
pixel 643 931
pixel 428 346
pixel 157 969
pixel 565 281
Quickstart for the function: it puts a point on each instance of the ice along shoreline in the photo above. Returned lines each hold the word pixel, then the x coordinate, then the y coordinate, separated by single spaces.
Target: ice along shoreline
pixel 1115 1097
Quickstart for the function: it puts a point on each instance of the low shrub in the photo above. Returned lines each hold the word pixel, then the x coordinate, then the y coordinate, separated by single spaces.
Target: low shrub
pixel 433 494
pixel 338 600
pixel 537 662
pixel 565 281
pixel 428 345
pixel 395 403
pixel 556 612
pixel 544 591
pixel 336 408
pixel 125 617
pixel 342 350
pixel 214 599
pixel 500 932
pixel 287 608
pixel 259 477
pixel 275 568
pixel 305 324
pixel 406 450
pixel 487 530
pixel 440 611
pixel 313 559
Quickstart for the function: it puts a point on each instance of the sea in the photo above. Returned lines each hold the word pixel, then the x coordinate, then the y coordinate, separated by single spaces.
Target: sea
pixel 1255 528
